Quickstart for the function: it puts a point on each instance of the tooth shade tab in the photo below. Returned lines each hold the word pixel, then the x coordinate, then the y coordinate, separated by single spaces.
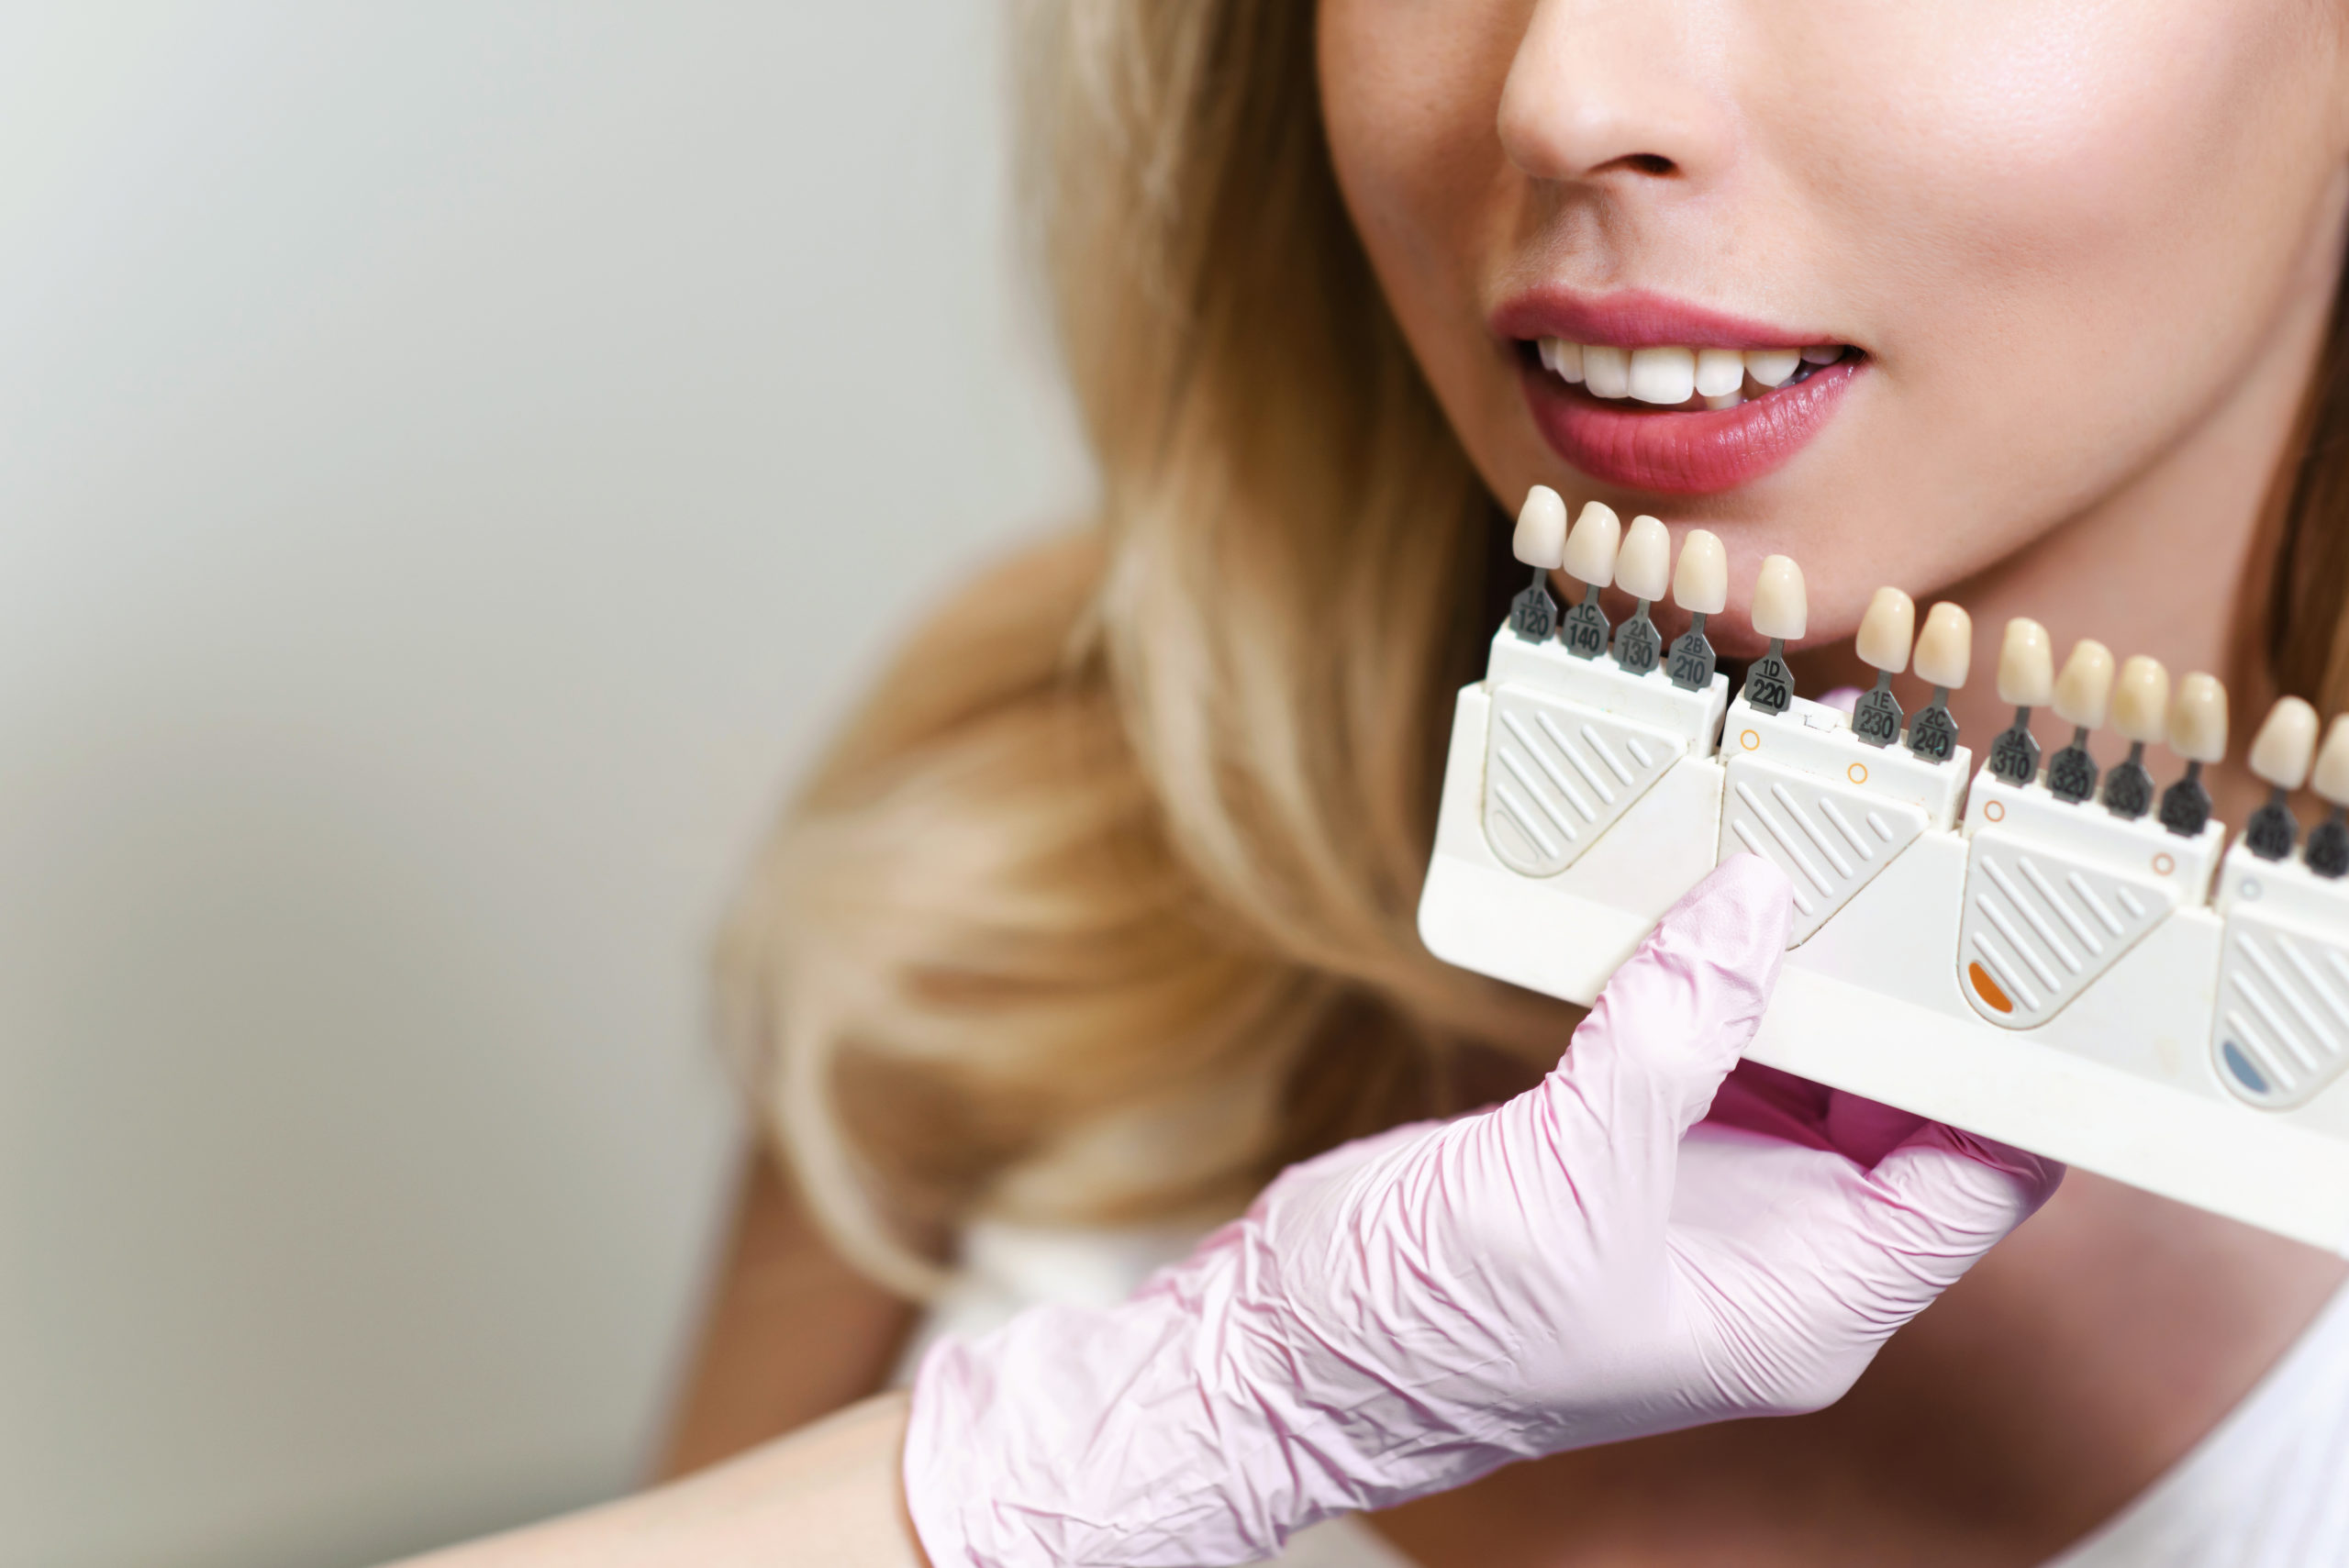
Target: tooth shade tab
pixel 1772 367
pixel 1945 649
pixel 2026 665
pixel 2198 719
pixel 1643 566
pixel 1823 353
pixel 1700 582
pixel 1664 376
pixel 1541 537
pixel 1781 610
pixel 2140 700
pixel 1719 371
pixel 2085 688
pixel 1887 630
pixel 1606 370
pixel 1592 547
pixel 2330 778
pixel 2286 744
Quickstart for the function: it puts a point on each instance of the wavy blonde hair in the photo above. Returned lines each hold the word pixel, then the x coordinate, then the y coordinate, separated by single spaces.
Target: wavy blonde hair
pixel 1103 908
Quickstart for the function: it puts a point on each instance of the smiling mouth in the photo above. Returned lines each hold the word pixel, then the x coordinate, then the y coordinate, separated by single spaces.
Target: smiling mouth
pixel 1666 379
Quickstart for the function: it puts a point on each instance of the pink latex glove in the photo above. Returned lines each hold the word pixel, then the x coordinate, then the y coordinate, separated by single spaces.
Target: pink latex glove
pixel 1586 1263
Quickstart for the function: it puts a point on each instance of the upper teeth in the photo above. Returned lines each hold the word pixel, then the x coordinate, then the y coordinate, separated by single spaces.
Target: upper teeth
pixel 1673 375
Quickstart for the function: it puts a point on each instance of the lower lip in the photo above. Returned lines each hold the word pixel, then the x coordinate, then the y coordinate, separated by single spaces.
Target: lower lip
pixel 1684 453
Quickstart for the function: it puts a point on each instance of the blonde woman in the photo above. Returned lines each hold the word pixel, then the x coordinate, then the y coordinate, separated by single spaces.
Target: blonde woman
pixel 1101 913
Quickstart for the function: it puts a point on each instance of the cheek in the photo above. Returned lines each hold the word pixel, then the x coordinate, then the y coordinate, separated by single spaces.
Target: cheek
pixel 1409 93
pixel 2076 222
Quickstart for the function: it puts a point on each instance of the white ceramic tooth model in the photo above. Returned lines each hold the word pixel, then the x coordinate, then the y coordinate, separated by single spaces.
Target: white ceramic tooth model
pixel 2052 972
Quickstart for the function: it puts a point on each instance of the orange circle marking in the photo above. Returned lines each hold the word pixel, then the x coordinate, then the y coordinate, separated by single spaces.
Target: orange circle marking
pixel 1750 741
pixel 1858 772
pixel 1988 988
pixel 2164 865
pixel 1996 810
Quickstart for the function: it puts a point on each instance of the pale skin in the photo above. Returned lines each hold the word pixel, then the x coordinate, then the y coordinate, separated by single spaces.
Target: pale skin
pixel 2088 250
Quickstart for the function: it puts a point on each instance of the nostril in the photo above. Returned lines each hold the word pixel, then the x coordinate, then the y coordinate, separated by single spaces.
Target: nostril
pixel 1647 163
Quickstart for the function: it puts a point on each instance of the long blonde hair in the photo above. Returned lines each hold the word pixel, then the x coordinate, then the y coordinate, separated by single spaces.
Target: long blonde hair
pixel 1103 909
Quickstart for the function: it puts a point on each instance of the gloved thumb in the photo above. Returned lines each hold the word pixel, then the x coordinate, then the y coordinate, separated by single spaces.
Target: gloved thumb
pixel 1937 1202
pixel 1648 1058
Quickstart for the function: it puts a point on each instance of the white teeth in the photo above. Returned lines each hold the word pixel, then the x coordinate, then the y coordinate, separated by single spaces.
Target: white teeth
pixel 1718 372
pixel 1669 376
pixel 1772 367
pixel 1607 369
pixel 1663 375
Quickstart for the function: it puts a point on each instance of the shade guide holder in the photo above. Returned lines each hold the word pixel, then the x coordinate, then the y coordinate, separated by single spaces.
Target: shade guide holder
pixel 2169 1010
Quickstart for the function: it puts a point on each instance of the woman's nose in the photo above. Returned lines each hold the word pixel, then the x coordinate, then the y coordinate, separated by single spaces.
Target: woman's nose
pixel 1618 92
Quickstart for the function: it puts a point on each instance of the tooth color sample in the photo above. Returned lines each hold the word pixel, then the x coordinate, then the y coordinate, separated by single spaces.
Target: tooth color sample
pixel 1643 566
pixel 1719 371
pixel 2085 688
pixel 1540 538
pixel 2141 700
pixel 2026 665
pixel 2286 744
pixel 1780 608
pixel 1606 371
pixel 2331 778
pixel 1570 361
pixel 1886 630
pixel 1823 353
pixel 1591 547
pixel 1946 647
pixel 2198 719
pixel 1663 375
pixel 1772 367
pixel 1700 582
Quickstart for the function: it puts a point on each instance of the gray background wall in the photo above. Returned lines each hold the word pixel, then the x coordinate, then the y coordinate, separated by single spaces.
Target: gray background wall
pixel 455 460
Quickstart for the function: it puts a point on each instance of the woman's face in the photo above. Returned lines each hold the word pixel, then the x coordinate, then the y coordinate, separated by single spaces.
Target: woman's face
pixel 2054 238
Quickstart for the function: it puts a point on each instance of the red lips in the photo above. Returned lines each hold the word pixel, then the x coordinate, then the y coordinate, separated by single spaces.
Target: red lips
pixel 1637 446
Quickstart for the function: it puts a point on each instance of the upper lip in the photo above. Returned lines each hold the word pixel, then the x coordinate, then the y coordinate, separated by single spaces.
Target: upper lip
pixel 1634 318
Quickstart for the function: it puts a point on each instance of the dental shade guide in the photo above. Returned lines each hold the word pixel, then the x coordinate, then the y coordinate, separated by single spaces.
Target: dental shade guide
pixel 1539 542
pixel 2130 989
pixel 1887 632
pixel 1590 559
pixel 2197 732
pixel 2083 694
pixel 2141 712
pixel 1700 586
pixel 1643 570
pixel 1945 654
pixel 2027 680
pixel 2281 754
pixel 1781 611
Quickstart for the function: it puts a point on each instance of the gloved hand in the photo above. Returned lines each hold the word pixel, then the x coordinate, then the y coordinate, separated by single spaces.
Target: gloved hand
pixel 1583 1265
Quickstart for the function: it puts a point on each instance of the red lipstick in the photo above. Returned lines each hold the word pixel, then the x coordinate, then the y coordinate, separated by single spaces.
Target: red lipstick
pixel 1668 451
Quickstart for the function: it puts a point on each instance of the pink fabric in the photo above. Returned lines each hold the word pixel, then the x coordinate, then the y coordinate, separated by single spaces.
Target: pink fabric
pixel 1591 1261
